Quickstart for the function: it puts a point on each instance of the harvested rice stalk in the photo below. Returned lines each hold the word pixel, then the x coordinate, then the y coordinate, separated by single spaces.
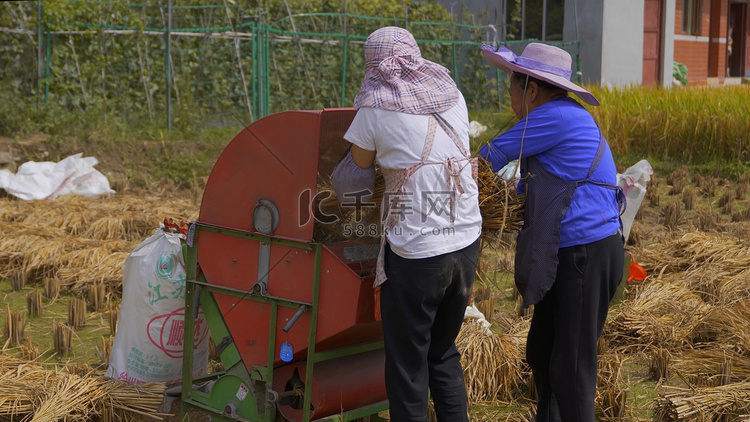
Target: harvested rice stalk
pixel 28 351
pixel 114 316
pixel 484 302
pixel 688 199
pixel 76 313
pixel 493 364
pixel 62 339
pixel 658 364
pixel 726 325
pixel 96 296
pixel 107 271
pixel 672 215
pixel 520 310
pixel 705 363
pixel 29 391
pixel 34 303
pixel 652 193
pixel 705 403
pixel 741 190
pixel 106 349
pixel 129 226
pixel 678 185
pixel 742 215
pixel 611 397
pixel 662 315
pixel 601 346
pixel 499 203
pixel 726 202
pixel 51 288
pixel 500 206
pixel 675 176
pixel 708 187
pixel 18 280
pixel 15 324
pixel 692 250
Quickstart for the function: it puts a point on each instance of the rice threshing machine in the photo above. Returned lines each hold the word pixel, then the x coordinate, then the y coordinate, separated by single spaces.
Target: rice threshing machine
pixel 293 319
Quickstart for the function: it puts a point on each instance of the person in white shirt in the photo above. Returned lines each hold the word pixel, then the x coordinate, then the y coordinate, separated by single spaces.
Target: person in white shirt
pixel 413 121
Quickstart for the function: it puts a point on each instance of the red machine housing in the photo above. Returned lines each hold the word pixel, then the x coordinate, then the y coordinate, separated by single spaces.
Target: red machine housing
pixel 282 158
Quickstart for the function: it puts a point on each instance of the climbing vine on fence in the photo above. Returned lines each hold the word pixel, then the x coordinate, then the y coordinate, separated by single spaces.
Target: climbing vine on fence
pixel 228 61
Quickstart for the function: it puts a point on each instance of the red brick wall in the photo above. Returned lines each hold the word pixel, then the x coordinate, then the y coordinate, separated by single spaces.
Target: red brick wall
pixel 694 54
pixel 718 50
pixel 747 42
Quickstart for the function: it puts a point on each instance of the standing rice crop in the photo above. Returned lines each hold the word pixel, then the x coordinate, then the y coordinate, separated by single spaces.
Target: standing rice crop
pixel 695 124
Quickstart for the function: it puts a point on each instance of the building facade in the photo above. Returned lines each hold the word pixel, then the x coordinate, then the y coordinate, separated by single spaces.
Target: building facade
pixel 637 41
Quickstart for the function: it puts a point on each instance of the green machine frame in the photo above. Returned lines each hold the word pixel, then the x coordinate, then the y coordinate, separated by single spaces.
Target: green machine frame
pixel 259 380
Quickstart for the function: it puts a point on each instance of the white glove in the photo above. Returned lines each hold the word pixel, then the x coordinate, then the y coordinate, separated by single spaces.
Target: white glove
pixel 511 171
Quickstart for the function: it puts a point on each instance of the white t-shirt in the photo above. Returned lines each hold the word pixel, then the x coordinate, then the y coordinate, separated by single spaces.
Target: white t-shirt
pixel 424 226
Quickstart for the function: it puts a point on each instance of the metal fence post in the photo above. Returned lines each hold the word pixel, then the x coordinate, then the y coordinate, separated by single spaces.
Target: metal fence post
pixel 39 51
pixel 167 65
pixel 255 71
pixel 453 46
pixel 343 65
pixel 47 68
pixel 266 72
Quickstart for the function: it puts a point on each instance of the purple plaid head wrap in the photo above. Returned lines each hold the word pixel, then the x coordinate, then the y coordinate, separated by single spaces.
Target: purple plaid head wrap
pixel 399 79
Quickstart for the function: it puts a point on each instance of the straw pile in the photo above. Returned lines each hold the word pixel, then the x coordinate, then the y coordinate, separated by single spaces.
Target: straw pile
pixel 726 325
pixel 15 324
pixel 30 391
pixel 702 403
pixel 78 241
pixel 691 317
pixel 663 315
pixel 493 363
pixel 702 367
pixel 611 395
pixel 694 251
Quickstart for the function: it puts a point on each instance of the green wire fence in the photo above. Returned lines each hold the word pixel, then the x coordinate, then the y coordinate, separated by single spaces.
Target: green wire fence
pixel 217 64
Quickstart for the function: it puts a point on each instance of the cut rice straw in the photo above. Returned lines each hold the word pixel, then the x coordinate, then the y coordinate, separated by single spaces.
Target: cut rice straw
pixel 702 403
pixel 30 391
pixel 493 364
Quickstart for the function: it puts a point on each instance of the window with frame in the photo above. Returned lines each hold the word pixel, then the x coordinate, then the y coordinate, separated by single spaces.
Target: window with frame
pixel 692 16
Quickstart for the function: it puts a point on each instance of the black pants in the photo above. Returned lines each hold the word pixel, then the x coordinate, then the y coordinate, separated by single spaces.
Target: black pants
pixel 423 304
pixel 561 347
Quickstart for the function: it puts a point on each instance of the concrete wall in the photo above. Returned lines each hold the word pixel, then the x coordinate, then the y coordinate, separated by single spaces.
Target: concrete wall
pixel 611 36
pixel 588 15
pixel 622 43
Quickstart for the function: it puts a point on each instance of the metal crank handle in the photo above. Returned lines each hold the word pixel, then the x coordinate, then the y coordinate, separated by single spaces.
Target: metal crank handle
pixel 294 319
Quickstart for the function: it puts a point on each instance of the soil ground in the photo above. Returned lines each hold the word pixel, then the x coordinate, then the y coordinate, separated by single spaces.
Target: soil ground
pixel 184 166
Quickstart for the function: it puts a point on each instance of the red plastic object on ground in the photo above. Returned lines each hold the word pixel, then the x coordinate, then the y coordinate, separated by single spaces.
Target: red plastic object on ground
pixel 636 271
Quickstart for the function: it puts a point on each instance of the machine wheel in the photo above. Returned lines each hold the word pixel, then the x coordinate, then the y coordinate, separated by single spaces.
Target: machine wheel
pixel 232 396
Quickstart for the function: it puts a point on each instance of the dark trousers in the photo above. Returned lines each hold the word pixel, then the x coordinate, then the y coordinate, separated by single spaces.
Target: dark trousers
pixel 561 346
pixel 423 304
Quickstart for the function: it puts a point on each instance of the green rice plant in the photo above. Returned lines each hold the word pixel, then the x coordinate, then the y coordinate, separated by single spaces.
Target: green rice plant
pixel 694 125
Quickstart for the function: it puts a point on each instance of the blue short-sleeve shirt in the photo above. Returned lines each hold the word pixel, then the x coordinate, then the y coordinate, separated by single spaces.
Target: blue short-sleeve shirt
pixel 564 138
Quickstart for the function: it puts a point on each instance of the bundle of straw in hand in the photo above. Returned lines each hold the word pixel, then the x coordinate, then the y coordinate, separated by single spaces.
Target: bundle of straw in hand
pixel 499 203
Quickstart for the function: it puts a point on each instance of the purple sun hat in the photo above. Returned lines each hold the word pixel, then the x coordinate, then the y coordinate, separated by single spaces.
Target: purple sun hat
pixel 541 61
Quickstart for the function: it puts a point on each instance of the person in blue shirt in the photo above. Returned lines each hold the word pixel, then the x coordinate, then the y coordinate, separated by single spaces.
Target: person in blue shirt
pixel 569 253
